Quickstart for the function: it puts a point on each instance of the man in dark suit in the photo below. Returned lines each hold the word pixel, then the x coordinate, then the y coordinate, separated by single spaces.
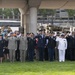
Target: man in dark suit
pixel 46 49
pixel 71 46
pixel 28 35
pixel 17 52
pixel 17 56
pixel 41 44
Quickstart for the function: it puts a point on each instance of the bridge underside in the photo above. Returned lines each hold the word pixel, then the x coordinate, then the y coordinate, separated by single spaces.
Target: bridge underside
pixel 45 4
pixel 12 3
pixel 57 4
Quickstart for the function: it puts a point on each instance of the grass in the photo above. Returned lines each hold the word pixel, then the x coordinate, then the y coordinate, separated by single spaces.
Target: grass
pixel 37 68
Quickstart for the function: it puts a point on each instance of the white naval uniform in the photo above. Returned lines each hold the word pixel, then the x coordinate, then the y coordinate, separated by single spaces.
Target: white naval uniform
pixel 62 46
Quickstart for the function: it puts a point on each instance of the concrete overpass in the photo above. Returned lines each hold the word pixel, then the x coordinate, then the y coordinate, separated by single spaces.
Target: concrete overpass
pixel 28 9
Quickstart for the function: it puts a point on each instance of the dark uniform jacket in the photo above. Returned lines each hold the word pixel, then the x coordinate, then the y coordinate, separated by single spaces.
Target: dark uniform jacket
pixel 51 42
pixel 41 41
pixel 31 43
pixel 71 41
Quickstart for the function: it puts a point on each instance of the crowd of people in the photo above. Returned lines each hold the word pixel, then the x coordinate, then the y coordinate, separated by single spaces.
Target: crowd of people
pixel 15 46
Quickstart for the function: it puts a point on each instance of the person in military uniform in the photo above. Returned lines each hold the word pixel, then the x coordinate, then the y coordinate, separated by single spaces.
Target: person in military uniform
pixel 22 47
pixel 46 49
pixel 28 35
pixel 41 44
pixel 62 46
pixel 31 46
pixel 71 46
pixel 51 46
pixel 12 46
pixel 17 52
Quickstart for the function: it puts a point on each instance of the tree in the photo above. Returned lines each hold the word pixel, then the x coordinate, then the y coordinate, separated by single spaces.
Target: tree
pixel 52 12
pixel 16 11
pixel 7 12
pixel 45 12
pixel 1 11
pixel 71 12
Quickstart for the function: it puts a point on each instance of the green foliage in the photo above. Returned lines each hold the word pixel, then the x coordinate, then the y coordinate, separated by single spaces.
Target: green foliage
pixel 46 11
pixel 71 12
pixel 38 68
pixel 7 12
pixel 16 11
pixel 1 11
pixel 51 11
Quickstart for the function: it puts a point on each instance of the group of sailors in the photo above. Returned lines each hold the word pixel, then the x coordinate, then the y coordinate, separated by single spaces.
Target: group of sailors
pixel 42 47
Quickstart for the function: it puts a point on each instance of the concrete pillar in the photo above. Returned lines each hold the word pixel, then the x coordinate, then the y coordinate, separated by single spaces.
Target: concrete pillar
pixel 22 20
pixel 33 20
pixel 27 23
